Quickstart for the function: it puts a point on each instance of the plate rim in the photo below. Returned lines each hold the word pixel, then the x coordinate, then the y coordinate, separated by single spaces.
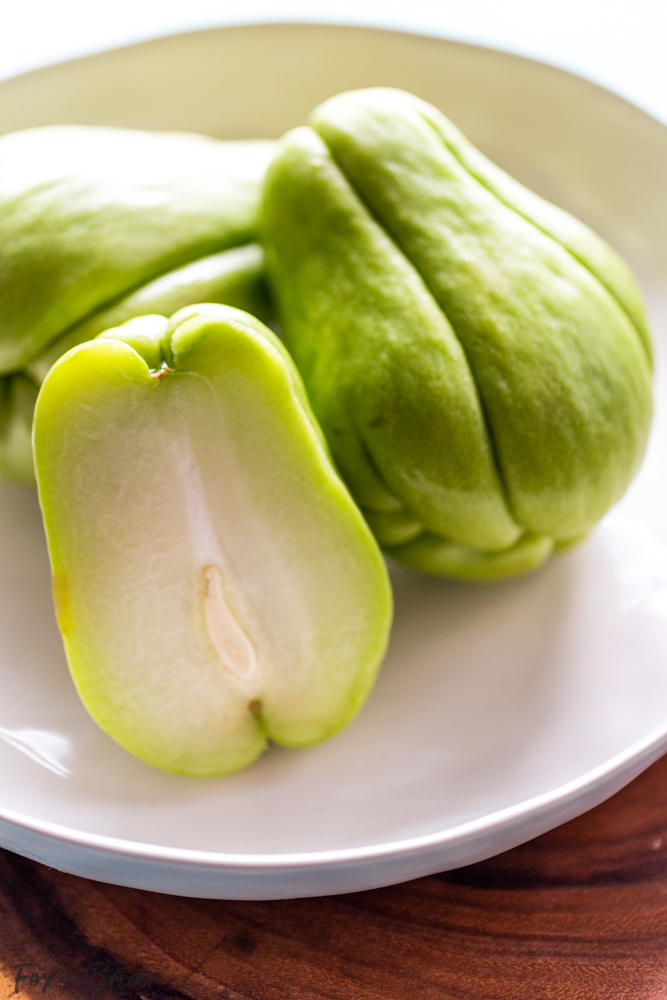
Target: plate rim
pixel 360 26
pixel 645 751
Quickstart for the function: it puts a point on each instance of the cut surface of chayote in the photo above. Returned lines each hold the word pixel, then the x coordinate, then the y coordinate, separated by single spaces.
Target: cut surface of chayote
pixel 103 224
pixel 215 584
pixel 478 359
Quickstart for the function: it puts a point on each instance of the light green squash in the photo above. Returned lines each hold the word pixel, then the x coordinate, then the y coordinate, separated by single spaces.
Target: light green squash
pixel 102 224
pixel 214 582
pixel 478 359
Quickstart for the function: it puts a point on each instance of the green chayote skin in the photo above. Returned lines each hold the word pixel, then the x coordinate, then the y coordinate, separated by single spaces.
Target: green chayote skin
pixel 103 224
pixel 478 359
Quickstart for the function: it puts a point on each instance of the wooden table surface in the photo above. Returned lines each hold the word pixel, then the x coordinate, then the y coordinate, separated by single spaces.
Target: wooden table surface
pixel 578 914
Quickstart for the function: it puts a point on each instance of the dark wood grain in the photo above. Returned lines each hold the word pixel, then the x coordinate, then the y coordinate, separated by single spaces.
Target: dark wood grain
pixel 578 914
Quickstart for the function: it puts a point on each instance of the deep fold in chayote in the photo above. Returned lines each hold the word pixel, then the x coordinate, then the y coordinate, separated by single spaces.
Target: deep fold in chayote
pixel 102 224
pixel 214 581
pixel 478 359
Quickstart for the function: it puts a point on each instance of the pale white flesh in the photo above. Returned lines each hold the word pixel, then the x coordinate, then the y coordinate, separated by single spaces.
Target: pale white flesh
pixel 214 582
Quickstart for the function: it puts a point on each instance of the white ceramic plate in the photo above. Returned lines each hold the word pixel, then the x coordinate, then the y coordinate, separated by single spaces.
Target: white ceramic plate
pixel 501 711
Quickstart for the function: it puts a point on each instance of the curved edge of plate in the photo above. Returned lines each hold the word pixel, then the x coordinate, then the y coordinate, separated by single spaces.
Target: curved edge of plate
pixel 210 875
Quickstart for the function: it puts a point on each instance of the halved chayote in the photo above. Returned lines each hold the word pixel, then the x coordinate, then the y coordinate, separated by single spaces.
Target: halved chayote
pixel 478 359
pixel 102 224
pixel 215 584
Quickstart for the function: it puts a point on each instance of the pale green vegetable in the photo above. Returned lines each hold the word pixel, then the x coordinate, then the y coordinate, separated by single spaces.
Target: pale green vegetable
pixel 215 584
pixel 478 359
pixel 102 224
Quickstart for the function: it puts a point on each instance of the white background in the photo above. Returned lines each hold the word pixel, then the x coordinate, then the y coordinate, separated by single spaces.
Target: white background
pixel 621 44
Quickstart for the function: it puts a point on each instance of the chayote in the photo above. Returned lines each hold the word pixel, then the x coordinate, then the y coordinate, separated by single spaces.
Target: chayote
pixel 479 360
pixel 103 224
pixel 215 583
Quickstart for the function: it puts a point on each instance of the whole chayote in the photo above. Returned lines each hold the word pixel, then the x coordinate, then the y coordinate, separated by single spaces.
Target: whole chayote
pixel 479 360
pixel 103 224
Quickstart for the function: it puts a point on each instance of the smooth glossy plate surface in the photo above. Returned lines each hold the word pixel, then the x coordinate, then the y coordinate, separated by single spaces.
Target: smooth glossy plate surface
pixel 500 711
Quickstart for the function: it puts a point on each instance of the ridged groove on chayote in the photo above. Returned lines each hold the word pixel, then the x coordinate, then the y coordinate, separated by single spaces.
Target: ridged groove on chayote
pixel 479 360
pixel 102 224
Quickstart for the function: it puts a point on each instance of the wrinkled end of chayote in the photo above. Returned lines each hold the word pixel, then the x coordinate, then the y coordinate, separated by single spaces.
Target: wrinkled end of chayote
pixel 478 359
pixel 214 582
